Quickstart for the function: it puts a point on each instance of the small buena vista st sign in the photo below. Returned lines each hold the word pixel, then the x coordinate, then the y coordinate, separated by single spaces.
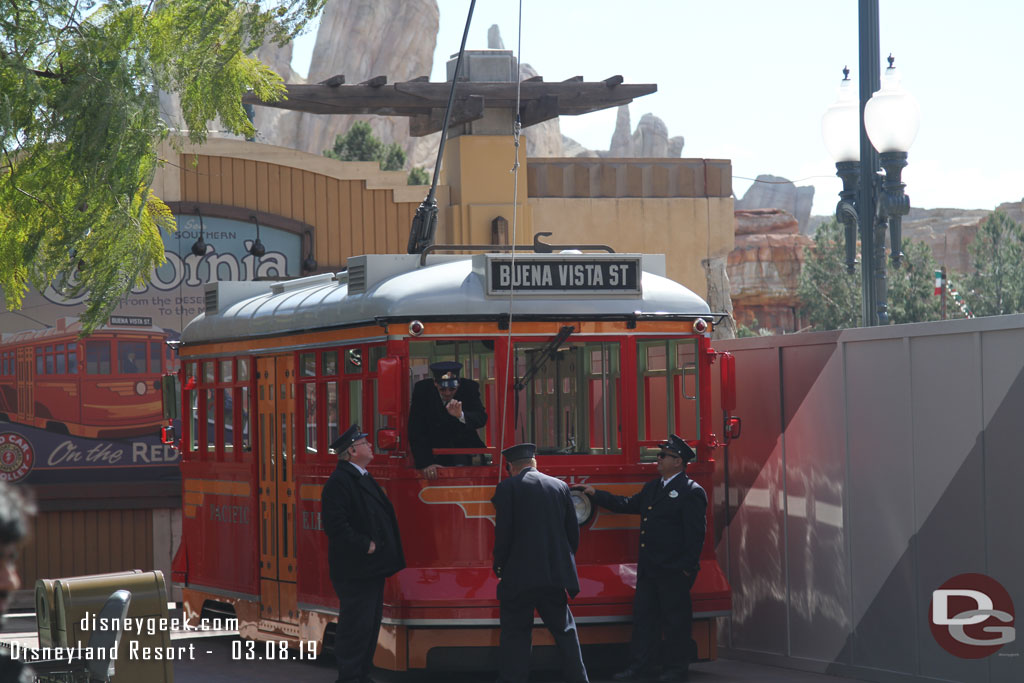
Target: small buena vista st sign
pixel 600 274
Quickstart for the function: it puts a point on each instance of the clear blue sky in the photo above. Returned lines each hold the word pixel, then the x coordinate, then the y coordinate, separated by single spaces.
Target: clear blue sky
pixel 748 80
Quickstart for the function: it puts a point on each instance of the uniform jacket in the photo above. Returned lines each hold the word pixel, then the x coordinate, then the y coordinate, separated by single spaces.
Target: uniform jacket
pixel 535 535
pixel 671 528
pixel 430 425
pixel 356 511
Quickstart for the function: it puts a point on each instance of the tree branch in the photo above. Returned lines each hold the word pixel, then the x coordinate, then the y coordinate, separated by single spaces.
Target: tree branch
pixel 49 74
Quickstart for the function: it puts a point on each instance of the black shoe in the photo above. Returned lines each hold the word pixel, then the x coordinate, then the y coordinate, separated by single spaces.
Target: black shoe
pixel 631 674
pixel 674 676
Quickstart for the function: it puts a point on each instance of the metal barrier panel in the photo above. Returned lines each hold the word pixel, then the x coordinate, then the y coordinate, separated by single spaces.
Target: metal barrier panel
pixel 875 465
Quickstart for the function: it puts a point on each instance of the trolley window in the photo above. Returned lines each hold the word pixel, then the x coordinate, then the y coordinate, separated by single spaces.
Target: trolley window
pixel 97 357
pixel 668 392
pixel 567 398
pixel 379 421
pixel 333 430
pixel 193 402
pixel 477 358
pixel 155 352
pixel 243 379
pixel 220 407
pixel 311 417
pixel 131 357
pixel 331 387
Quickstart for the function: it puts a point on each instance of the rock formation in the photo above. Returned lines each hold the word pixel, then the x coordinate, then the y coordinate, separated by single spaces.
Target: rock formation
pixel 773 192
pixel 764 269
pixel 650 139
pixel 622 139
pixel 360 39
pixel 277 126
pixel 949 232
pixel 571 148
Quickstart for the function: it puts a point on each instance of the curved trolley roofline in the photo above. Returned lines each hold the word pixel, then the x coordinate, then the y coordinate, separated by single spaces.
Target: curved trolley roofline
pixel 380 288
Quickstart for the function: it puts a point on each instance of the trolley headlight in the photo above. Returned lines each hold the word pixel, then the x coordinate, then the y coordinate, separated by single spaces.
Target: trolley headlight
pixel 584 508
pixel 700 326
pixel 415 328
pixel 140 388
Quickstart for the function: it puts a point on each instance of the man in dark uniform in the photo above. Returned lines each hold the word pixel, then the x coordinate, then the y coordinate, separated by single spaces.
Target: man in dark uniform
pixel 672 512
pixel 363 548
pixel 445 412
pixel 535 540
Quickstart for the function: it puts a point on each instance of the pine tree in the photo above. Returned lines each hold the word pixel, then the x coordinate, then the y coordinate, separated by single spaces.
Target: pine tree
pixel 996 286
pixel 419 176
pixel 831 297
pixel 360 144
pixel 911 295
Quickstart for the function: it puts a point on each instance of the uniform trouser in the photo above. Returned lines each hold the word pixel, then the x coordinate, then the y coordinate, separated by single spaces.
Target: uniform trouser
pixel 516 627
pixel 355 639
pixel 662 604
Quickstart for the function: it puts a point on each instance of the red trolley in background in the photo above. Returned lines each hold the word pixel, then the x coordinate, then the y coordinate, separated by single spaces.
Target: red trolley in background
pixel 105 386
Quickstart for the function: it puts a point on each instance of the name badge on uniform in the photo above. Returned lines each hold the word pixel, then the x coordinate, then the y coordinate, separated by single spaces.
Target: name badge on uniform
pixel 673 494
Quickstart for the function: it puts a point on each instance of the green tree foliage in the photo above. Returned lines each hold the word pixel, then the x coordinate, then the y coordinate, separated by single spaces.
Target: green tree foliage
pixel 393 158
pixel 911 294
pixel 831 297
pixel 419 176
pixel 360 144
pixel 996 286
pixel 752 330
pixel 80 126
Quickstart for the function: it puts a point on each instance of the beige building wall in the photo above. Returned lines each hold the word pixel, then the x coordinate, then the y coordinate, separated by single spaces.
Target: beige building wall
pixel 685 230
pixel 478 171
pixel 682 208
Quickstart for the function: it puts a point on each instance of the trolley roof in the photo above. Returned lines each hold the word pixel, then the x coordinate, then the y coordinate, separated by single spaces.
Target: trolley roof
pixel 380 288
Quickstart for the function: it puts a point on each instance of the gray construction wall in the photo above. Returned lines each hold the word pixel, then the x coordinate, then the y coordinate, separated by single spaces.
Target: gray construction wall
pixel 874 465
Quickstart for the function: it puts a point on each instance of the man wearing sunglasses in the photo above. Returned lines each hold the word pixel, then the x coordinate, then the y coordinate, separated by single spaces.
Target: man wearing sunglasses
pixel 672 523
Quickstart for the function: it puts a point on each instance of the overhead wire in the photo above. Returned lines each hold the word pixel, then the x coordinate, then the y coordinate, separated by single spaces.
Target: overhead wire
pixel 517 126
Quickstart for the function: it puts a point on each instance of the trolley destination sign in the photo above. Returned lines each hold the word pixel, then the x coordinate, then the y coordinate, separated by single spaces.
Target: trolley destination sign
pixel 597 274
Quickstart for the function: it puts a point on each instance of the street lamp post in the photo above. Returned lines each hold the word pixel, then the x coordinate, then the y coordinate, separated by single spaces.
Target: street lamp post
pixel 886 119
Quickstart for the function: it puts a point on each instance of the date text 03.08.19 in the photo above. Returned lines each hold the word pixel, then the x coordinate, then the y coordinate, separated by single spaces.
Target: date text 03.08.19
pixel 251 650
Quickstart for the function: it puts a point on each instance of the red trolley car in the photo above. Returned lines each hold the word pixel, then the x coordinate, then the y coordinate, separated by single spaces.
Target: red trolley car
pixel 593 357
pixel 105 386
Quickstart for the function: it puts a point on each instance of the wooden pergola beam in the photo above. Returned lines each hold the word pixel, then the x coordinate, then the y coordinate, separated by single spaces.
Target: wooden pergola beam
pixel 425 102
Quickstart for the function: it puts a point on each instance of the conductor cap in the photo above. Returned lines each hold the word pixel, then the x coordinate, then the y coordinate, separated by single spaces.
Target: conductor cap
pixel 446 373
pixel 679 448
pixel 350 436
pixel 521 451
